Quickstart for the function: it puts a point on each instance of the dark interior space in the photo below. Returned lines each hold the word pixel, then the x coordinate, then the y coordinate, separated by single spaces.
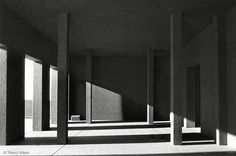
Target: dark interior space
pixel 162 88
pixel 116 94
pixel 132 77
pixel 193 97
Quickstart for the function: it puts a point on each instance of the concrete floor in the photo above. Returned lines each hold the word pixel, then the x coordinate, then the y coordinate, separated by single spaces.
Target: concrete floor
pixel 119 138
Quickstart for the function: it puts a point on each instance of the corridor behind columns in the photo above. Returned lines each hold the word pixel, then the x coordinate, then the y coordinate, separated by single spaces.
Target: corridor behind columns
pixel 129 77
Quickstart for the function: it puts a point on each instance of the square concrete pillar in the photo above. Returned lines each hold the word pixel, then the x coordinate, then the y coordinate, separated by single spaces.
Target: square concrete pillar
pixel 150 87
pixel 89 87
pixel 62 111
pixel 53 105
pixel 11 96
pixel 68 103
pixel 176 78
pixel 219 45
pixel 41 101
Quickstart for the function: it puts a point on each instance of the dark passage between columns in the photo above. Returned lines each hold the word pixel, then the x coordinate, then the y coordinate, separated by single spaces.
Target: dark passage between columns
pixel 193 97
pixel 62 113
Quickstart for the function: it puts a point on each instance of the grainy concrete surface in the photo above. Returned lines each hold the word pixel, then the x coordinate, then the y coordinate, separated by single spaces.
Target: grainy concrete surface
pixel 118 138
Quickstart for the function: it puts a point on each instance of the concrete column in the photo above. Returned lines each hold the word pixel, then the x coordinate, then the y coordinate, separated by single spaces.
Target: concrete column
pixel 62 113
pixel 219 44
pixel 150 87
pixel 68 103
pixel 89 87
pixel 41 99
pixel 11 96
pixel 53 114
pixel 176 79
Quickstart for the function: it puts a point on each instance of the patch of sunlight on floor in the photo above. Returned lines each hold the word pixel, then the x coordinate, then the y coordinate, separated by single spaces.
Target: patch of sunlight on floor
pixel 120 138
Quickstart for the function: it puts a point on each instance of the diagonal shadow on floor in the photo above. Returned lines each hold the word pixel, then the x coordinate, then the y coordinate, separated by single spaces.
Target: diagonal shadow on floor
pixel 119 139
pixel 37 141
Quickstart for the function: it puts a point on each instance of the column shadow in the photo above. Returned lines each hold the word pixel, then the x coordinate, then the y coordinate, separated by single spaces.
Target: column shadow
pixel 112 139
pixel 196 139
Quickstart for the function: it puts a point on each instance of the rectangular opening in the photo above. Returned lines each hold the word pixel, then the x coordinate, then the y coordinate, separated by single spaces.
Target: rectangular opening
pixel 28 94
pixel 53 96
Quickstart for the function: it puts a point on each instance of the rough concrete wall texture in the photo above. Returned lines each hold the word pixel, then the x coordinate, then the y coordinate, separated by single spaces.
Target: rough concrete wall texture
pixel 124 79
pixel 22 37
pixel 231 81
pixel 3 95
pixel 28 108
pixel 41 97
pixel 37 98
pixel 53 102
pixel 199 51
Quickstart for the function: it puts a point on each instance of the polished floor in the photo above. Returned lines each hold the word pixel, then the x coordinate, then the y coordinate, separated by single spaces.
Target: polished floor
pixel 116 138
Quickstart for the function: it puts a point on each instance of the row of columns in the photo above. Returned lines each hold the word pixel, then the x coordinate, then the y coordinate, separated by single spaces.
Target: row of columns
pixel 150 87
pixel 12 85
pixel 12 103
pixel 176 79
pixel 177 73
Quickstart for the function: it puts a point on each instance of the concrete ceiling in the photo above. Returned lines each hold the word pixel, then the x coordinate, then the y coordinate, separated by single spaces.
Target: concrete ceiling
pixel 118 26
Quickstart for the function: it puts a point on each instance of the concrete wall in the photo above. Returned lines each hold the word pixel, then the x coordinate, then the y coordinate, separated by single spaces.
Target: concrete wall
pixel 124 77
pixel 119 87
pixel 199 51
pixel 28 108
pixel 231 84
pixel 20 38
